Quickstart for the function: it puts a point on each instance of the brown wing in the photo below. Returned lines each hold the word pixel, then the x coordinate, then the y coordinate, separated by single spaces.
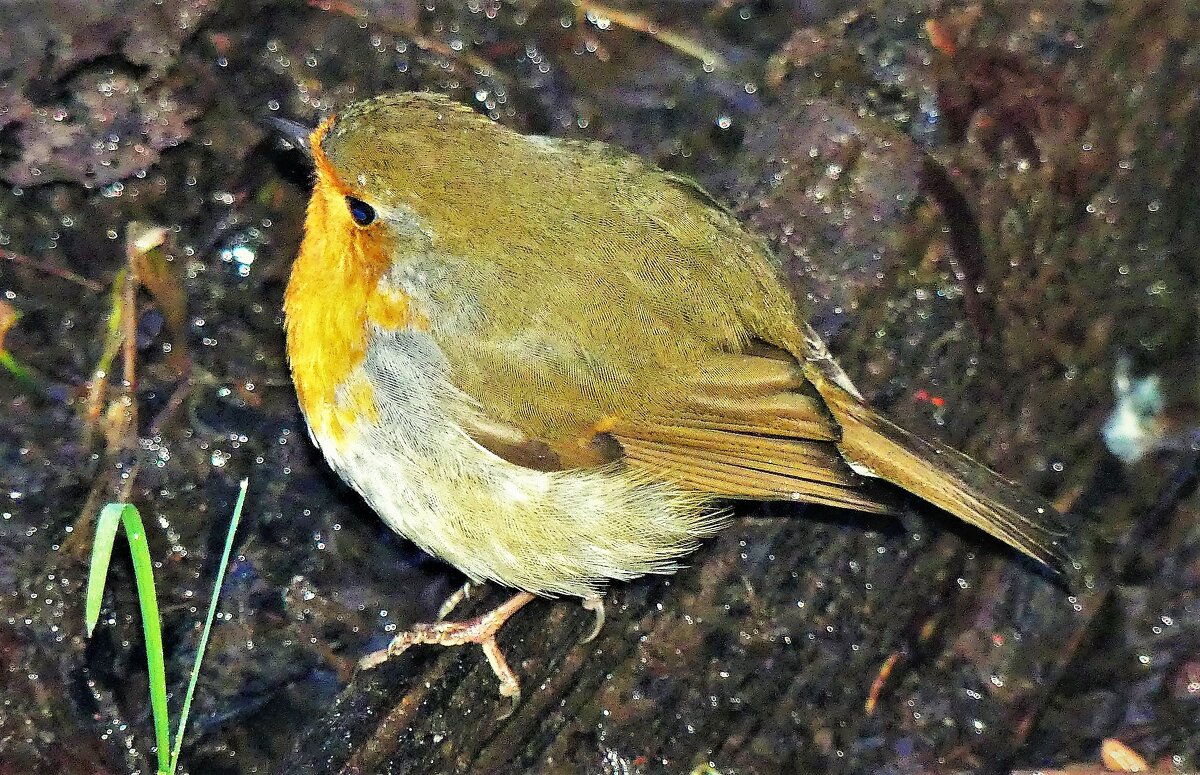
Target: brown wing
pixel 751 427
pixel 747 425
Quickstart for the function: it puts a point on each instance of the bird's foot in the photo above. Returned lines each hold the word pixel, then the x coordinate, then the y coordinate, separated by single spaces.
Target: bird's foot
pixel 481 631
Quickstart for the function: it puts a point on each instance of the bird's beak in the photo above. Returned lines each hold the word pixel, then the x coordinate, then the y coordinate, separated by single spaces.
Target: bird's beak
pixel 295 133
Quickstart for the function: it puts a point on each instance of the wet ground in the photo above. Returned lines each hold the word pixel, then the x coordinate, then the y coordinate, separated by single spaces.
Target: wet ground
pixel 987 205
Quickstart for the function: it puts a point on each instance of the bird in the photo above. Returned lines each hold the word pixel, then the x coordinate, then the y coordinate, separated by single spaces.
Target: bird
pixel 552 364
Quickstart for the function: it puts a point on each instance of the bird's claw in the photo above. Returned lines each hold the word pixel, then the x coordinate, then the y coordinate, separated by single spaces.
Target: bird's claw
pixel 595 604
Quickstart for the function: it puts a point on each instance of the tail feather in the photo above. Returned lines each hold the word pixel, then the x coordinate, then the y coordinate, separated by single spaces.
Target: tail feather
pixel 874 445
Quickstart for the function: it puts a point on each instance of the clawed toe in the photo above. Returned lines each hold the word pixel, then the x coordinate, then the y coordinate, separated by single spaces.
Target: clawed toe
pixel 595 604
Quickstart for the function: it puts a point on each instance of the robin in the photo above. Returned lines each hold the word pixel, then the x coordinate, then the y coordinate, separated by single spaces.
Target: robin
pixel 547 361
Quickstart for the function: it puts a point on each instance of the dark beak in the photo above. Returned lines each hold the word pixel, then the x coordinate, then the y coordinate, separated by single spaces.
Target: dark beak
pixel 293 132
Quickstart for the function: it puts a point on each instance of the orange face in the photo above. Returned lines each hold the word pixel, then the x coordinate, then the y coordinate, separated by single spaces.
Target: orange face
pixel 331 296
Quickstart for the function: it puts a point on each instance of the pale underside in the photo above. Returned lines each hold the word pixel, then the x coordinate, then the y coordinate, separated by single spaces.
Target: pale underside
pixel 548 532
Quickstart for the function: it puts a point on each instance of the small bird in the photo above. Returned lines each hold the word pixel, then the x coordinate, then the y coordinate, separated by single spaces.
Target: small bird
pixel 547 361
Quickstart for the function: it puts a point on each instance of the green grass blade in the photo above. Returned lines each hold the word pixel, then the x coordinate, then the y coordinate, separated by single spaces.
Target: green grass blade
pixel 143 573
pixel 208 622
pixel 20 373
pixel 102 546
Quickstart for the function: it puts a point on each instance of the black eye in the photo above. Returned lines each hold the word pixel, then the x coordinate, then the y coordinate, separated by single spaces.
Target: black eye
pixel 362 213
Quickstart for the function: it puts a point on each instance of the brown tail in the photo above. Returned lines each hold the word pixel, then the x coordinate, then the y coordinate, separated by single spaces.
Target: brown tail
pixel 943 476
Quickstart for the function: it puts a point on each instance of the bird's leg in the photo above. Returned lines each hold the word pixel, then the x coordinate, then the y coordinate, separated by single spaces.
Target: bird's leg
pixel 481 631
pixel 594 603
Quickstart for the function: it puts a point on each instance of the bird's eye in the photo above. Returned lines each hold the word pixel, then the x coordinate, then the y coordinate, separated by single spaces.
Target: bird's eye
pixel 362 213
